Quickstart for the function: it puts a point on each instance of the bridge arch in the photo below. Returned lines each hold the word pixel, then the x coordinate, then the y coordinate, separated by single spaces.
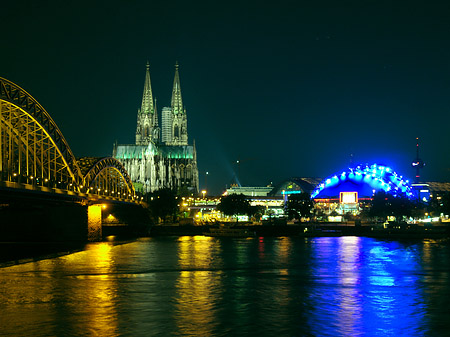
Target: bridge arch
pixel 32 148
pixel 106 176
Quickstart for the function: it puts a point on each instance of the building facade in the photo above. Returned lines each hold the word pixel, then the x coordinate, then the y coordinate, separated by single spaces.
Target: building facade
pixel 160 157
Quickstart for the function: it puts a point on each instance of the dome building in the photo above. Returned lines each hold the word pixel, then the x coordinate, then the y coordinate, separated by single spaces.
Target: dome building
pixel 349 190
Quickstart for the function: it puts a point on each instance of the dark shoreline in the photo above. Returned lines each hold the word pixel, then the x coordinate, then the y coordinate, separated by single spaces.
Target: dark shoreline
pixel 311 230
pixel 12 253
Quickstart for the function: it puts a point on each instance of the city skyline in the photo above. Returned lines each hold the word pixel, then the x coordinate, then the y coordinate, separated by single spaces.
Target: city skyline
pixel 292 90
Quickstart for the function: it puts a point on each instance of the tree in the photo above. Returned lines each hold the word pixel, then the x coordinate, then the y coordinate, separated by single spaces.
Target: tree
pixel 256 211
pixel 299 205
pixel 234 204
pixel 184 191
pixel 163 203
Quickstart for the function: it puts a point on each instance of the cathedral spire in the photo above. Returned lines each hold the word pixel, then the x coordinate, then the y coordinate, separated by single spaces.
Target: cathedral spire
pixel 178 114
pixel 147 106
pixel 146 130
pixel 177 102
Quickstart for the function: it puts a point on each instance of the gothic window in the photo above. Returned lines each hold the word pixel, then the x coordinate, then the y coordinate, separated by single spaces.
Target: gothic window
pixel 182 172
pixel 189 171
pixel 176 132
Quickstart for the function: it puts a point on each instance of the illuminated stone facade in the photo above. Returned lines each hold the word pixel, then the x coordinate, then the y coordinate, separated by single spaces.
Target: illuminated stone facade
pixel 160 158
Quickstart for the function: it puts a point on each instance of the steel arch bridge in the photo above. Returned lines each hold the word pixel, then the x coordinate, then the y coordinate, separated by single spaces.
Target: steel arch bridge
pixel 35 155
pixel 106 176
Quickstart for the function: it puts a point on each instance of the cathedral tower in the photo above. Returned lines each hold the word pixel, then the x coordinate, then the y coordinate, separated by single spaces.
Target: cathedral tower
pixel 147 129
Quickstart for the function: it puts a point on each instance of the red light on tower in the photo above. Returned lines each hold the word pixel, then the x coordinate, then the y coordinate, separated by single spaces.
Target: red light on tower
pixel 417 163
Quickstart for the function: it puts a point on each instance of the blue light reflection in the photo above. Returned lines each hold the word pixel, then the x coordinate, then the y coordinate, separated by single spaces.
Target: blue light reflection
pixel 367 288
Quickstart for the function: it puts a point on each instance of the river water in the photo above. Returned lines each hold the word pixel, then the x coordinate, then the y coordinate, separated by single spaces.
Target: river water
pixel 203 286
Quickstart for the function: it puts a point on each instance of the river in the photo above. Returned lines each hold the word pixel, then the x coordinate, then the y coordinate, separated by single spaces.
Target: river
pixel 203 286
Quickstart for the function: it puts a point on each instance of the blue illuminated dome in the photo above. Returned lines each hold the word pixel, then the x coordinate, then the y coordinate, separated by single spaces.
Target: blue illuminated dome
pixel 365 180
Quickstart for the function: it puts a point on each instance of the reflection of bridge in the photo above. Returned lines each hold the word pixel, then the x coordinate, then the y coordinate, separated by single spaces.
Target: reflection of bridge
pixel 35 155
pixel 36 159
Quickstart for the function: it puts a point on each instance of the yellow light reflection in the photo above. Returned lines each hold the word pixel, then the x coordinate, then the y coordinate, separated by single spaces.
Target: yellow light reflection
pixel 284 250
pixel 195 298
pixel 100 295
pixel 80 285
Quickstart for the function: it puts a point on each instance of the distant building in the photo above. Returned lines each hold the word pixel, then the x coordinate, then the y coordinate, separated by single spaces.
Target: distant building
pixel 289 186
pixel 160 158
pixel 250 191
pixel 426 191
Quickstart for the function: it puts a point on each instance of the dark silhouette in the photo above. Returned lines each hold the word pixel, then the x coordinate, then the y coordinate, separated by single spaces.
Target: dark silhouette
pixel 385 204
pixel 163 203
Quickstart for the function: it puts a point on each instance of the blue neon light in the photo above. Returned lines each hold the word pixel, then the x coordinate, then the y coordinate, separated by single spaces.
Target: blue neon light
pixel 379 177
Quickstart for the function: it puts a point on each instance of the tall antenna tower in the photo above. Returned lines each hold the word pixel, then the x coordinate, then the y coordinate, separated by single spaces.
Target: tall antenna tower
pixel 417 163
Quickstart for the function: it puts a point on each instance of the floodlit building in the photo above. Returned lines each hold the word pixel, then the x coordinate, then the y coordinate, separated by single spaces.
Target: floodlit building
pixel 160 158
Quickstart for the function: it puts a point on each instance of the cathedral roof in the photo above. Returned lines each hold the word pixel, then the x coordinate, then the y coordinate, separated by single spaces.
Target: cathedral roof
pixel 131 151
pixel 177 151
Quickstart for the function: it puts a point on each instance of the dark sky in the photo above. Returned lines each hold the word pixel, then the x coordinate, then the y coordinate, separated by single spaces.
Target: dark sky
pixel 290 88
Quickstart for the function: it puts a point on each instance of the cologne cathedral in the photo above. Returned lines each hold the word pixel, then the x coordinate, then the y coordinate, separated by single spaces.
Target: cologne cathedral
pixel 161 157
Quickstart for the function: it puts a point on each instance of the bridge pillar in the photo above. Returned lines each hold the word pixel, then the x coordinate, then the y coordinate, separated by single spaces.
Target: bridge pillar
pixel 95 223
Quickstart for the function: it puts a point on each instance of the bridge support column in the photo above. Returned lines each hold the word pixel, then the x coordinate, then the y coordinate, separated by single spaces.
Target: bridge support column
pixel 95 223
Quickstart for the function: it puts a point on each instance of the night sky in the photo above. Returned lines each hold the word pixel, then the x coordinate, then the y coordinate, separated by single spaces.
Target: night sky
pixel 291 88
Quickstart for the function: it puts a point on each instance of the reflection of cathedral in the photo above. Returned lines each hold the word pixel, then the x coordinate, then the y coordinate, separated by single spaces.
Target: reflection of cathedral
pixel 161 157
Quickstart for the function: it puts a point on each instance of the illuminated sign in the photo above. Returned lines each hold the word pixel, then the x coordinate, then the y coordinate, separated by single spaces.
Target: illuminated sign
pixel 348 197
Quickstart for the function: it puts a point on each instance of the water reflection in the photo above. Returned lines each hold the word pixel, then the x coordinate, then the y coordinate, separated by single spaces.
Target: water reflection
pixel 337 304
pixel 348 268
pixel 100 287
pixel 204 286
pixel 47 298
pixel 274 285
pixel 197 285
